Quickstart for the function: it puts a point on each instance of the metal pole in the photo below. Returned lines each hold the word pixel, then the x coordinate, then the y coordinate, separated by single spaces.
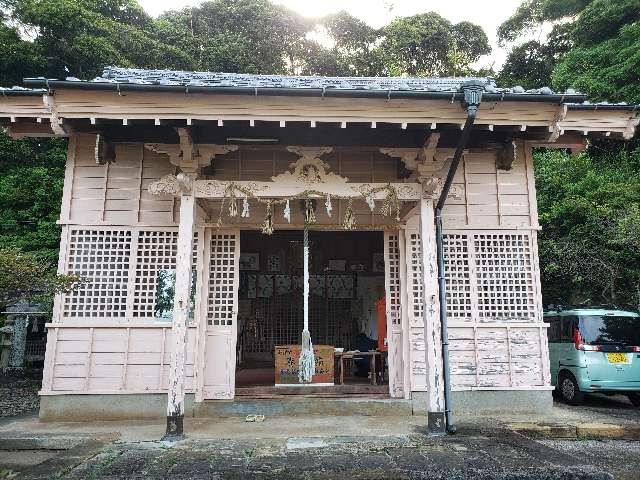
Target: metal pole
pixel 472 98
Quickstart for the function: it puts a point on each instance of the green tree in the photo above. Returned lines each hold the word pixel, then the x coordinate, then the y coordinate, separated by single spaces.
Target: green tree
pixel 589 204
pixel 355 52
pixel 80 38
pixel 593 47
pixel 246 36
pixel 428 44
pixel 589 207
pixel 26 277
pixel 605 71
pixel 20 58
pixel 31 179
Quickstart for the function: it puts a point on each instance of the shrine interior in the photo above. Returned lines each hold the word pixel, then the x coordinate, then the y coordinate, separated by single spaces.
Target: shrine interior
pixel 346 309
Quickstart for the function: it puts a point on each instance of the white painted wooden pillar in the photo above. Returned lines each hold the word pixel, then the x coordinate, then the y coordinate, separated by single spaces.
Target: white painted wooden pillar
pixel 431 314
pixel 175 403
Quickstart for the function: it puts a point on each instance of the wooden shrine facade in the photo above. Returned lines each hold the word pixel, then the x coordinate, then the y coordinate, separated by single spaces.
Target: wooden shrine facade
pixel 149 183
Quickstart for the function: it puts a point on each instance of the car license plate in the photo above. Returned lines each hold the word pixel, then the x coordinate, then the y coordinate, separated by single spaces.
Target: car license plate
pixel 617 357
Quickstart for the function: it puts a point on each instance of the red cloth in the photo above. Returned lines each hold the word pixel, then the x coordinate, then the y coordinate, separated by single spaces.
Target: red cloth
pixel 381 306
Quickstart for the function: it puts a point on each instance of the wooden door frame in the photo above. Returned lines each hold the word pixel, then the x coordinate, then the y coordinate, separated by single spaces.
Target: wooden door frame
pixel 204 277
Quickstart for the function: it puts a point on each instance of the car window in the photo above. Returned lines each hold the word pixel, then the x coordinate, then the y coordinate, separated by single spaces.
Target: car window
pixel 602 329
pixel 553 332
pixel 566 328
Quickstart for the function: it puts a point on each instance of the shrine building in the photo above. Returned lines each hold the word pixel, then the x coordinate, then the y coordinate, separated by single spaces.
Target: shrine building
pixel 190 199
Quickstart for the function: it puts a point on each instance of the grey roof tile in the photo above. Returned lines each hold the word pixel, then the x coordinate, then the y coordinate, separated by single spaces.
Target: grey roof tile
pixel 172 77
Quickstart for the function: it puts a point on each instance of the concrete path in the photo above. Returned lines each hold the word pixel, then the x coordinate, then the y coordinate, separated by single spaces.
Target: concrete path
pixel 324 447
pixel 601 410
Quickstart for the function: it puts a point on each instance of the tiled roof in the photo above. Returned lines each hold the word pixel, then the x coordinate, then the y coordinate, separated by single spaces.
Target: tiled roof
pixel 418 84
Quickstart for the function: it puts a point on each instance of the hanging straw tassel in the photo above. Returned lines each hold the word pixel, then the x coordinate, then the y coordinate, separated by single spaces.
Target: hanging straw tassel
pixel 307 361
pixel 309 214
pixel 349 221
pixel 267 226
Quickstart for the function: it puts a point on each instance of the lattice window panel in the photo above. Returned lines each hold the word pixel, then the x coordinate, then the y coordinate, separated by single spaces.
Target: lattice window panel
pixel 415 286
pixel 458 276
pixel 157 250
pixel 102 257
pixel 222 279
pixel 393 293
pixel 505 276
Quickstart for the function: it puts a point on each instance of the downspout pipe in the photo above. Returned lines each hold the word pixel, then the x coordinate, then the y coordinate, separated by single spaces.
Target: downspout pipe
pixel 472 90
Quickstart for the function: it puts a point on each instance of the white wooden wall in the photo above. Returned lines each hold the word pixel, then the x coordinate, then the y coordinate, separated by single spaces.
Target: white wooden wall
pixel 104 338
pixel 96 358
pixel 497 339
pixel 116 193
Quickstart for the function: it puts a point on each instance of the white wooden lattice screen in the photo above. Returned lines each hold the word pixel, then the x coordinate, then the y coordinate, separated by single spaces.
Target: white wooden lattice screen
pixel 490 277
pixel 417 354
pixel 222 279
pixel 415 274
pixel 395 344
pixel 505 276
pixel 101 257
pixel 392 258
pixel 121 268
pixel 156 251
pixel 458 276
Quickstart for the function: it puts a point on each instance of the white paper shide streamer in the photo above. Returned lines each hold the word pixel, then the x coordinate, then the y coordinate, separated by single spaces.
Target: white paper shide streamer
pixel 328 205
pixel 287 212
pixel 245 208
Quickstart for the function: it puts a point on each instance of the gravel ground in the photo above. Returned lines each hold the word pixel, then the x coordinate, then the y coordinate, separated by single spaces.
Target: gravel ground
pixel 18 396
pixel 621 457
pixel 415 457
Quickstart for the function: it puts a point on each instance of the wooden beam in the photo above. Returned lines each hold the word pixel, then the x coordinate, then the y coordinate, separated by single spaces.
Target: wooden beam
pixel 576 143
pixel 431 314
pixel 170 185
pixel 177 371
pixel 26 130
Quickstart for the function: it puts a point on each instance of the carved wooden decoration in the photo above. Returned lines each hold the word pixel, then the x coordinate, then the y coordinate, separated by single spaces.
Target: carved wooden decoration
pixel 309 168
pixel 188 155
pixel 506 155
pixel 408 156
pixel 555 128
pixel 307 173
pixel 428 152
pixel 630 131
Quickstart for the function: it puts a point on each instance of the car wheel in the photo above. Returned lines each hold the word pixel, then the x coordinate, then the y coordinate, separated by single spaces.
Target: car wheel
pixel 635 399
pixel 569 390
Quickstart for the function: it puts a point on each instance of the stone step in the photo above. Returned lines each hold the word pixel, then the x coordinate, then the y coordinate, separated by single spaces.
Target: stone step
pixel 288 405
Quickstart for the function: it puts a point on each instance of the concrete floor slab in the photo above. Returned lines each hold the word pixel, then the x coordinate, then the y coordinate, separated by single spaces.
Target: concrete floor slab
pixel 22 458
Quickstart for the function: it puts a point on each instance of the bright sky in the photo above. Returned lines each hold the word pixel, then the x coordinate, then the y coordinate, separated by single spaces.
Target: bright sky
pixel 489 14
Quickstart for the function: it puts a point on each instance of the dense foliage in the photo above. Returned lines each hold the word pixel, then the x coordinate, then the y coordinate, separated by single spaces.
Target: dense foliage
pixel 589 204
pixel 31 179
pixel 594 47
pixel 590 213
pixel 23 276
